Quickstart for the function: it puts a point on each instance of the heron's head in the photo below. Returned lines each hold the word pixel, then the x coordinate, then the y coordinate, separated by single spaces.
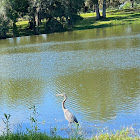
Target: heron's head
pixel 63 95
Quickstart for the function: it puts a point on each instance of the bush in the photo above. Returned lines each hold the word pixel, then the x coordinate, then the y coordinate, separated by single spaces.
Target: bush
pixel 3 26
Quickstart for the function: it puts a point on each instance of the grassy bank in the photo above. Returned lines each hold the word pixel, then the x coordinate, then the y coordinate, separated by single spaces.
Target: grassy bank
pixel 37 136
pixel 114 18
pixel 122 135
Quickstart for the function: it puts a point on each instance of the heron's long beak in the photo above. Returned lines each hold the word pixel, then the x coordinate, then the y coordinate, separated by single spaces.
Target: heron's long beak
pixel 59 95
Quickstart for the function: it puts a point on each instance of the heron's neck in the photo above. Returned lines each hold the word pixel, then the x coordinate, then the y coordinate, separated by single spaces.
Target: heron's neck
pixel 63 106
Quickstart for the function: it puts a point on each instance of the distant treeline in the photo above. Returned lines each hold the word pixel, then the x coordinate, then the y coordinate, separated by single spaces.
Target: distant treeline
pixel 51 15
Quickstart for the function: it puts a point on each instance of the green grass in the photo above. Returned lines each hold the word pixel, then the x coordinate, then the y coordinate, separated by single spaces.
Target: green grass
pixel 114 18
pixel 37 136
pixel 122 135
pixel 125 134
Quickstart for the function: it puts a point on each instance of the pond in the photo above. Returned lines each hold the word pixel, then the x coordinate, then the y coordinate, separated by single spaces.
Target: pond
pixel 98 69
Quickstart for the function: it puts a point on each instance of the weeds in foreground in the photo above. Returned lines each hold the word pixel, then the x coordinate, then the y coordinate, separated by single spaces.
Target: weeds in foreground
pixel 34 121
pixel 53 131
pixel 76 133
pixel 7 124
pixel 124 134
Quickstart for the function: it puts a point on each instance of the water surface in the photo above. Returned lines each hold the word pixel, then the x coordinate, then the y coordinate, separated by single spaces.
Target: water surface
pixel 99 69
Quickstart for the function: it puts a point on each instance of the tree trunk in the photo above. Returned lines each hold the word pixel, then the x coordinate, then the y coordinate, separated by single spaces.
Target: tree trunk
pixel 37 24
pixel 69 23
pixel 104 9
pixel 94 8
pixel 3 34
pixel 33 23
pixel 37 20
pixel 132 3
pixel 108 4
pixel 97 11
pixel 15 31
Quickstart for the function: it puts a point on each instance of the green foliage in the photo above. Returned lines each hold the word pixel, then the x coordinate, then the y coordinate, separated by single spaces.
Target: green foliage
pixel 7 124
pixel 3 26
pixel 38 136
pixel 127 5
pixel 125 134
pixel 16 9
pixel 53 131
pixel 76 133
pixel 34 121
pixel 4 21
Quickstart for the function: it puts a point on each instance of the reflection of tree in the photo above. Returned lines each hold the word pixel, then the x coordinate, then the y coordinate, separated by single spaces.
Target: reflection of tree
pixel 19 45
pixel 20 91
pixel 101 93
pixel 70 41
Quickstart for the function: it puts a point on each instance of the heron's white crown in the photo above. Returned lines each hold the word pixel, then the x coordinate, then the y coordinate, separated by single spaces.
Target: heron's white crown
pixel 62 94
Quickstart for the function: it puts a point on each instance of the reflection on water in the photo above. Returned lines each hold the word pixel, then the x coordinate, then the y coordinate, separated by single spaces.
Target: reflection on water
pixel 16 91
pixel 99 70
pixel 107 92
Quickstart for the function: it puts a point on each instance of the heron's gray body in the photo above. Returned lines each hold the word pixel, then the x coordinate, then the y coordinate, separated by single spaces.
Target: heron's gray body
pixel 69 116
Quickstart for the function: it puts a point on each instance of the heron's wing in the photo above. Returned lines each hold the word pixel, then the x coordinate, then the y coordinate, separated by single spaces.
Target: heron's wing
pixel 69 116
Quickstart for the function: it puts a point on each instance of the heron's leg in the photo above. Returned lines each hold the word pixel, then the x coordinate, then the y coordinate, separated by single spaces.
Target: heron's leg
pixel 70 125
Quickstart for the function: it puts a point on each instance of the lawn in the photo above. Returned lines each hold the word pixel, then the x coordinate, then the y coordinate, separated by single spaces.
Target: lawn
pixel 113 18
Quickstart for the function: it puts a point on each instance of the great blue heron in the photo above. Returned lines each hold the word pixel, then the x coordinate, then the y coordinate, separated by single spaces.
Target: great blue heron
pixel 68 115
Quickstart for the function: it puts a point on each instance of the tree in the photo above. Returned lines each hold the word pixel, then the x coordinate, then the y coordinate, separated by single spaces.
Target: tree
pixel 34 14
pixel 4 21
pixel 14 10
pixel 104 9
pixel 72 10
pixel 61 14
pixel 132 3
pixel 3 25
pixel 96 2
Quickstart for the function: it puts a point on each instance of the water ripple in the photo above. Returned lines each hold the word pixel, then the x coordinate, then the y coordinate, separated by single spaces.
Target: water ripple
pixel 47 45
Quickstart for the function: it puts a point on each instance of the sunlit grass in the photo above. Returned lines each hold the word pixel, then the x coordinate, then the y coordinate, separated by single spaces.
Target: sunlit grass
pixel 87 15
pixel 23 22
pixel 113 18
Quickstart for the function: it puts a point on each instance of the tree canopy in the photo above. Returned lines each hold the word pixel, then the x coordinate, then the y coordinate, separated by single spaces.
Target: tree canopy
pixel 57 15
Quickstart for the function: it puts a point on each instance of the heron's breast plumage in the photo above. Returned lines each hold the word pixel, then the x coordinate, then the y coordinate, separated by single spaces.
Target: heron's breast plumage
pixel 69 116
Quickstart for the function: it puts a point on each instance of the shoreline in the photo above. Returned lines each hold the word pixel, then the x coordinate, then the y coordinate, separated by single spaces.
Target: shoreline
pixel 114 18
pixel 75 134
